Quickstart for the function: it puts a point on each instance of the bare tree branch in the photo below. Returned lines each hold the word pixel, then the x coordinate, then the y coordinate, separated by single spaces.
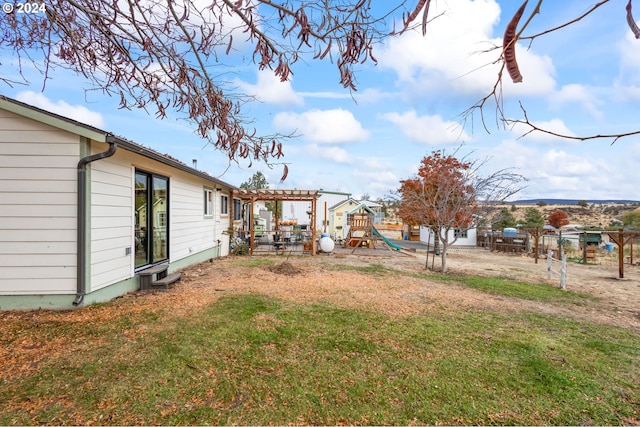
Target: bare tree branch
pixel 495 96
pixel 535 128
pixel 164 56
pixel 167 56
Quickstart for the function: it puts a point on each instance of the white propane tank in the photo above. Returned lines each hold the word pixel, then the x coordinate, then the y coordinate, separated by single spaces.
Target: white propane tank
pixel 326 244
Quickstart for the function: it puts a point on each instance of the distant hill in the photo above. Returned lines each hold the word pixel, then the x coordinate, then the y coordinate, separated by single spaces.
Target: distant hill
pixel 572 201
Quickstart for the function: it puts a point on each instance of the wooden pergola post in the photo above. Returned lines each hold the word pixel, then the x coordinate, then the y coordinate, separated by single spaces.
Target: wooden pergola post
pixel 619 240
pixel 324 216
pixel 313 227
pixel 252 238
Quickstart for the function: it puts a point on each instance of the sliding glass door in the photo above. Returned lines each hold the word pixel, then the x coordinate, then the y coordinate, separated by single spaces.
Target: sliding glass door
pixel 151 218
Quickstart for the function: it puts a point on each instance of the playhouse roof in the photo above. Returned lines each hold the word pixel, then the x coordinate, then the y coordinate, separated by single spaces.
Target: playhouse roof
pixel 362 206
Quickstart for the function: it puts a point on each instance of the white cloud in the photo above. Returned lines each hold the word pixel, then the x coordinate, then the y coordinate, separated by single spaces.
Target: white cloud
pixel 627 86
pixel 513 154
pixel 629 59
pixel 325 95
pixel 372 96
pixel 376 163
pixel 537 74
pixel 322 126
pixel 375 182
pixel 578 174
pixel 271 90
pixel 459 51
pixel 428 129
pixel 565 165
pixel 626 93
pixel 368 96
pixel 75 112
pixel 331 153
pixel 580 94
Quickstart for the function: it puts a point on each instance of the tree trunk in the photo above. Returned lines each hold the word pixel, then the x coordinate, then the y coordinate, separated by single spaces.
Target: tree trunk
pixel 436 246
pixel 443 254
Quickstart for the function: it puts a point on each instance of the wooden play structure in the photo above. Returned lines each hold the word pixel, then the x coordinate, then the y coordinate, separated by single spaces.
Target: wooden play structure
pixel 362 233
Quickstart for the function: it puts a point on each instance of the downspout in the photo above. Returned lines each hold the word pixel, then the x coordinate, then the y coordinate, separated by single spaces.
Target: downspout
pixel 81 268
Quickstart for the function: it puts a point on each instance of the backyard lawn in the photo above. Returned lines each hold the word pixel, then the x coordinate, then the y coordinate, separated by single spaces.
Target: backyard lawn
pixel 223 347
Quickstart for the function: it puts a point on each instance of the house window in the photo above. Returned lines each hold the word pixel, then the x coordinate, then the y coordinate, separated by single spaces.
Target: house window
pixel 224 205
pixel 151 218
pixel 237 209
pixel 162 219
pixel 459 233
pixel 208 202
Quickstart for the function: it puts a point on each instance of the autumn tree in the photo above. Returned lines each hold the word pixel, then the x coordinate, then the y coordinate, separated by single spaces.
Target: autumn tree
pixel 558 218
pixel 447 193
pixel 168 56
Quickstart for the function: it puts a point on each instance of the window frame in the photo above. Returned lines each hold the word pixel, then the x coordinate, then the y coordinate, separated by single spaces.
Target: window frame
pixel 224 204
pixel 459 233
pixel 237 209
pixel 208 202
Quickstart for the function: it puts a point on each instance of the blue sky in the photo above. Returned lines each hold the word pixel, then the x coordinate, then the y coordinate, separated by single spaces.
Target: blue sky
pixel 582 80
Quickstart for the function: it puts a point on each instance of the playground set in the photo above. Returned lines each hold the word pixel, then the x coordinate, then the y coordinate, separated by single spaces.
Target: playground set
pixel 362 233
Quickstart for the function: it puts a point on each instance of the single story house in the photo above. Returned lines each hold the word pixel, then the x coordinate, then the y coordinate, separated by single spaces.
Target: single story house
pixel 83 213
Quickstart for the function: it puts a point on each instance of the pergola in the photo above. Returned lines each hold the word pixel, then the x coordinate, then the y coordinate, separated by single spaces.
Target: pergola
pixel 621 238
pixel 267 195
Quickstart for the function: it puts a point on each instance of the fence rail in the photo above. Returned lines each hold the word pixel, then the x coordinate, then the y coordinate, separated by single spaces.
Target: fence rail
pixel 563 268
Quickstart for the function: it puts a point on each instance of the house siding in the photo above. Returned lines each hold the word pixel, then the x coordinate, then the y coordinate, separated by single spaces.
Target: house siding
pixel 112 219
pixel 426 236
pixel 338 226
pixel 37 207
pixel 111 224
pixel 191 231
pixel 38 212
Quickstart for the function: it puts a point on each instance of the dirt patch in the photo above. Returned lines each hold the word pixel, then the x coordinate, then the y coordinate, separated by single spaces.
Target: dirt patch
pixel 285 268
